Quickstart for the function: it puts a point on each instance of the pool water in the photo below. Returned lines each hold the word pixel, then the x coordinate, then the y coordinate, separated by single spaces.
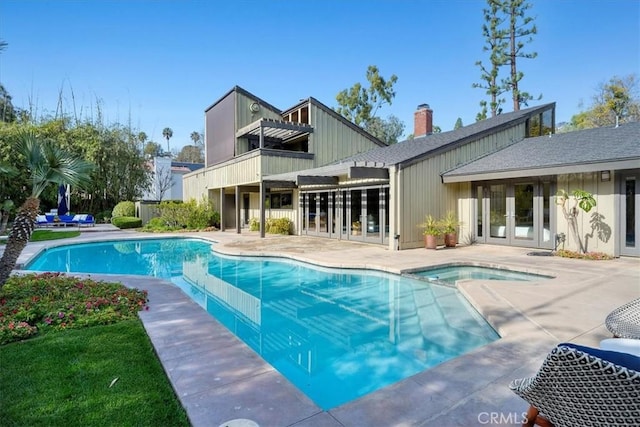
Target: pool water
pixel 450 274
pixel 336 334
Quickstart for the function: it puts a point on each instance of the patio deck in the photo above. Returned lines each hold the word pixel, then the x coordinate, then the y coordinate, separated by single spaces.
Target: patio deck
pixel 219 379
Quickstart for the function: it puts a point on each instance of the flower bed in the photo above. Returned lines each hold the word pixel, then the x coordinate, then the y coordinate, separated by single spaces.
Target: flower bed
pixel 35 303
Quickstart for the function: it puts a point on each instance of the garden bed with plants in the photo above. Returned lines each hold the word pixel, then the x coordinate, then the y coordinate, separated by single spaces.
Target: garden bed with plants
pixel 74 352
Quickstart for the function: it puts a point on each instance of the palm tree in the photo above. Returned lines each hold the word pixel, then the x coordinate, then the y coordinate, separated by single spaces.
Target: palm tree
pixel 196 138
pixel 46 164
pixel 167 133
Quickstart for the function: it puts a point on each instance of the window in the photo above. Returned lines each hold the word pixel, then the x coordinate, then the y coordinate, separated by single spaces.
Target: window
pixel 279 201
pixel 541 124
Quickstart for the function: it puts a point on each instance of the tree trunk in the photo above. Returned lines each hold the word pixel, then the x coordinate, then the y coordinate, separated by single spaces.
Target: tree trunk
pixel 5 221
pixel 21 232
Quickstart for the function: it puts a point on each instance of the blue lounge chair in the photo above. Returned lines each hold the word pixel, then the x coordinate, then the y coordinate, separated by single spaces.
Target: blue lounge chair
pixel 81 219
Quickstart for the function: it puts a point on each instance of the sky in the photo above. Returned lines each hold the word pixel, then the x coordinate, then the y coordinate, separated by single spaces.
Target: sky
pixel 157 64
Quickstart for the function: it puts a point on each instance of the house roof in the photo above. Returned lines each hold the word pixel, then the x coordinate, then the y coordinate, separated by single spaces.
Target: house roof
pixel 589 150
pixel 248 95
pixel 413 150
pixel 187 166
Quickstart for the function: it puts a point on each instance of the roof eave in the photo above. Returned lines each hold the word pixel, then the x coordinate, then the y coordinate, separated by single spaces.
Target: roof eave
pixel 630 163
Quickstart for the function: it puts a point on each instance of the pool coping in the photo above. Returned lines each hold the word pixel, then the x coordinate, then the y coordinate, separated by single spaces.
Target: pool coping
pixel 218 378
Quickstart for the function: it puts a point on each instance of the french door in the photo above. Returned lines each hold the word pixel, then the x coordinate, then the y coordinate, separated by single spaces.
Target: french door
pixel 630 213
pixel 515 213
pixel 350 214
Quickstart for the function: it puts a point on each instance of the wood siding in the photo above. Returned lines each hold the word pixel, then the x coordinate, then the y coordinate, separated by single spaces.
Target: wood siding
pixel 422 191
pixel 332 139
pixel 605 210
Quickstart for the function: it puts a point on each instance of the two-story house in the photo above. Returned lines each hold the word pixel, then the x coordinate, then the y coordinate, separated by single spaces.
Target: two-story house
pixel 247 140
pixel 500 176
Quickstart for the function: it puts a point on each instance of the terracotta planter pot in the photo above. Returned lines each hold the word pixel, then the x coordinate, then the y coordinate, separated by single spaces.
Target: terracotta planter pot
pixel 430 241
pixel 450 240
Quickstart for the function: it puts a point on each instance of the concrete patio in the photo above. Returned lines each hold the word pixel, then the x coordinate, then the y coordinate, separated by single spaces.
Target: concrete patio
pixel 219 379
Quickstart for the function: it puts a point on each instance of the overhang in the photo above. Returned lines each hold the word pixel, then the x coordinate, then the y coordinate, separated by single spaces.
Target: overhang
pixel 452 177
pixel 274 129
pixel 330 174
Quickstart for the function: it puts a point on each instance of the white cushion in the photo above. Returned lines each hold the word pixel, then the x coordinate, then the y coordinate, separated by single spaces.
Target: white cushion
pixel 76 218
pixel 622 345
pixel 41 218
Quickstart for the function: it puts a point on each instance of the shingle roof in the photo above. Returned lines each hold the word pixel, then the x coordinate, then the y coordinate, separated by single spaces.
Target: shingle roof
pixel 590 146
pixel 413 149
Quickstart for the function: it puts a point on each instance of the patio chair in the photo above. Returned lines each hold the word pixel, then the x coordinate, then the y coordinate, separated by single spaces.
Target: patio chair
pixel 583 386
pixel 43 221
pixel 624 321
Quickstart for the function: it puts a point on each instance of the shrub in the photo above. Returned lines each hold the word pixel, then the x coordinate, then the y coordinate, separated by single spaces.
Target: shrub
pixel 124 209
pixel 123 222
pixel 278 226
pixel 272 225
pixel 190 215
pixel 104 216
pixel 158 224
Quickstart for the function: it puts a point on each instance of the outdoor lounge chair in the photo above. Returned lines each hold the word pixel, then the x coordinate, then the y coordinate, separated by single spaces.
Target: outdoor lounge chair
pixel 624 321
pixel 583 386
pixel 43 221
pixel 85 219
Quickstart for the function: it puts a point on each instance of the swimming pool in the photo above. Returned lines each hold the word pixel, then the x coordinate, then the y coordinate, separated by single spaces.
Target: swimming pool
pixel 336 334
pixel 449 274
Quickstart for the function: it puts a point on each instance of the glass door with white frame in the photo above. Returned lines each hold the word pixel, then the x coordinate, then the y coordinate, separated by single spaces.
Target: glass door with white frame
pixel 630 214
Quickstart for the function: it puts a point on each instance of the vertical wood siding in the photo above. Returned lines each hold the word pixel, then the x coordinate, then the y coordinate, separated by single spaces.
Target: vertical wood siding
pixel 424 193
pixel 332 140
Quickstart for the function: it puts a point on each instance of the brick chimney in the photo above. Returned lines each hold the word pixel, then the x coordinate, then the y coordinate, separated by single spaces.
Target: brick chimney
pixel 423 121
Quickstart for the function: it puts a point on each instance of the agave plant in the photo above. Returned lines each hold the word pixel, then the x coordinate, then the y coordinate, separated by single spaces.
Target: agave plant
pixel 45 164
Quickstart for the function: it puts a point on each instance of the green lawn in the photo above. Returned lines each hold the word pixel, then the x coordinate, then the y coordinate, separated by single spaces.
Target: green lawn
pixel 96 376
pixel 42 235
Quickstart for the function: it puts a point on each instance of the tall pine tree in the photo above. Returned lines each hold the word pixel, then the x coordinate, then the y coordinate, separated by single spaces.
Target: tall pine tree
pixel 507 29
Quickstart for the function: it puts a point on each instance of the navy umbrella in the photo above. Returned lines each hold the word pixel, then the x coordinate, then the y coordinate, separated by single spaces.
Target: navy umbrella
pixel 62 203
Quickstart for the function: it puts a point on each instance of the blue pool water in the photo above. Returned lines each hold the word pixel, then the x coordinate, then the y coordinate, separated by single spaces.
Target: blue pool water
pixel 337 334
pixel 450 274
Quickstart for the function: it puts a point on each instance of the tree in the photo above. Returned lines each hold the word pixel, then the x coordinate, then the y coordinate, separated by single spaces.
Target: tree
pixel 190 154
pixel 507 29
pixel 496 45
pixel 7 112
pixel 521 29
pixel 196 137
pixel 152 149
pixel 142 138
pixel 45 164
pixel 164 181
pixel 389 130
pixel 616 101
pixel 458 124
pixel 360 105
pixel 167 133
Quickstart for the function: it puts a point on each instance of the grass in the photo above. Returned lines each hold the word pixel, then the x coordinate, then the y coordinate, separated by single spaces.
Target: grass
pixel 42 235
pixel 84 358
pixel 103 375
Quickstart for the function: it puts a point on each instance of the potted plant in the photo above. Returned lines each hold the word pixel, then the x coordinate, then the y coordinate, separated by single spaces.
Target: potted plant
pixel 431 230
pixel 356 228
pixel 450 226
